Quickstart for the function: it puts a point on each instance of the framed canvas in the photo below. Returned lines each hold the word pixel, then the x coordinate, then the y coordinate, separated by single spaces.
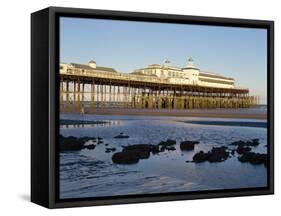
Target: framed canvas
pixel 140 107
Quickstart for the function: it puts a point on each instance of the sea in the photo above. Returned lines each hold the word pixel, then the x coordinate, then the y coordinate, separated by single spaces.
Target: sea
pixel 91 173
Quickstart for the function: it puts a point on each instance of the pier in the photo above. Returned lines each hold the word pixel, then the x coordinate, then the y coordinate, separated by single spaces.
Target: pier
pixel 85 90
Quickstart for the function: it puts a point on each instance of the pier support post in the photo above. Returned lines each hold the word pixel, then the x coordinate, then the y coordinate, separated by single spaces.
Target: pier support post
pixel 67 97
pixel 83 99
pixel 93 96
pixel 110 93
pixel 118 94
pixel 150 102
pixel 74 97
pixel 101 95
pixel 78 95
pixel 61 95
pixel 159 100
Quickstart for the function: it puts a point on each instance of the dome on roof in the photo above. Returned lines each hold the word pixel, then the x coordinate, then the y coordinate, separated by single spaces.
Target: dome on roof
pixel 154 65
pixel 190 63
pixel 92 64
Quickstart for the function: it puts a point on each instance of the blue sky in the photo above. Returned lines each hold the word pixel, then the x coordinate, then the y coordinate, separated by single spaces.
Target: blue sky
pixel 127 45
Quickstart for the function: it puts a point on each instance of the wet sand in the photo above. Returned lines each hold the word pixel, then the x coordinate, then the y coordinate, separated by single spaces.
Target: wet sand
pixel 210 113
pixel 92 173
pixel 230 123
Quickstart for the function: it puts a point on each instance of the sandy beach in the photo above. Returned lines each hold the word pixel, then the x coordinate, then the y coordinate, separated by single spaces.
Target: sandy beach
pixel 210 113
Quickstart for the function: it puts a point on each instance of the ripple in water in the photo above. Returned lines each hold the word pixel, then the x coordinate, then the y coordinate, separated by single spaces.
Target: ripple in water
pixel 91 173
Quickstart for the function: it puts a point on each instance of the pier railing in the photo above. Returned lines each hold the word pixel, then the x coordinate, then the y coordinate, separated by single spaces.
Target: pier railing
pixel 129 77
pixel 114 75
pixel 85 90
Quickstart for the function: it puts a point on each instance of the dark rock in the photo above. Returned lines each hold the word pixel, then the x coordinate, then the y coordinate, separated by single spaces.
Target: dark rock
pixel 253 158
pixel 155 149
pixel 139 153
pixel 200 157
pixel 142 151
pixel 232 151
pixel 86 138
pixel 241 149
pixel 217 154
pixel 71 143
pixel 240 142
pixel 188 145
pixel 110 150
pixel 100 142
pixel 122 136
pixel 167 145
pixel 162 148
pixel 144 147
pixel 255 141
pixel 113 149
pixel 100 138
pixel 170 148
pixel 168 142
pixel 133 153
pixel 125 158
pixel 106 144
pixel 252 142
pixel 92 146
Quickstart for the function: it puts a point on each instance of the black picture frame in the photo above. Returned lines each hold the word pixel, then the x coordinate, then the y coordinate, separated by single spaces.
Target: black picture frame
pixel 45 108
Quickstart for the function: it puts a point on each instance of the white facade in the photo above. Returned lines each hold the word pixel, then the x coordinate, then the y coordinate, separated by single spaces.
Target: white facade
pixel 92 64
pixel 188 75
pixel 63 67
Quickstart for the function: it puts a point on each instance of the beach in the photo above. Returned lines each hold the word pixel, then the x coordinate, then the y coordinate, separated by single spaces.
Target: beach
pixel 250 113
pixel 92 172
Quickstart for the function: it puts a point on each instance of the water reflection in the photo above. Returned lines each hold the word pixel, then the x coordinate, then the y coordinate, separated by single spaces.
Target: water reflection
pixel 91 173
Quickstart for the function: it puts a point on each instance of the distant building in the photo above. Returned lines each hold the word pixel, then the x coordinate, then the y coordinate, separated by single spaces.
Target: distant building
pixel 91 66
pixel 190 74
pixel 187 75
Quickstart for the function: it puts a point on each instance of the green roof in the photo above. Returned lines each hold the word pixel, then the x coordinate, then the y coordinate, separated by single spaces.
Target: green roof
pixel 204 74
pixel 87 67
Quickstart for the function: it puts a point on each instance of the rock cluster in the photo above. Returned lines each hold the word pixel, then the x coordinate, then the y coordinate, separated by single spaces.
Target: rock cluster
pixel 168 142
pixel 108 150
pixel 242 149
pixel 133 153
pixel 166 145
pixel 72 143
pixel 122 136
pixel 188 145
pixel 246 154
pixel 252 142
pixel 217 154
pixel 253 158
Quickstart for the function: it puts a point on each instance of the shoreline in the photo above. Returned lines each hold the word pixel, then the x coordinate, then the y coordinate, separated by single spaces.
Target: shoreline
pixel 208 113
pixel 230 123
pixel 64 122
